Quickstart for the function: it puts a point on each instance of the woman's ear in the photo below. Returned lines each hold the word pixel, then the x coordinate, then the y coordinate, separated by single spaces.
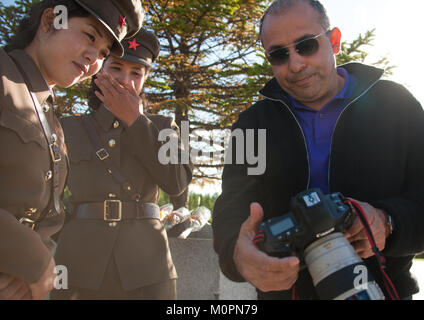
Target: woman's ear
pixel 335 38
pixel 47 20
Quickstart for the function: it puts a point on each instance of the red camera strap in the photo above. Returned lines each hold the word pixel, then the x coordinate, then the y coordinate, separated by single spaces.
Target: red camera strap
pixel 377 253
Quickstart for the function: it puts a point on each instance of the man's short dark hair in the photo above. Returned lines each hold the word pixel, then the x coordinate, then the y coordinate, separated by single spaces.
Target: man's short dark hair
pixel 280 6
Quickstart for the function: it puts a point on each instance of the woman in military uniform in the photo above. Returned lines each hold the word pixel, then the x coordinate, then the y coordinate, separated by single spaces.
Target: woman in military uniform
pixel 115 246
pixel 33 161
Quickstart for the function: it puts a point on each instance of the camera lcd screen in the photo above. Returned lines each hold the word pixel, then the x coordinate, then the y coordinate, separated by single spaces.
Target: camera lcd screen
pixel 282 226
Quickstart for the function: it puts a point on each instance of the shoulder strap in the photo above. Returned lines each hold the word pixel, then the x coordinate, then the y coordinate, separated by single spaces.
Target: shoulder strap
pixel 105 158
pixel 51 139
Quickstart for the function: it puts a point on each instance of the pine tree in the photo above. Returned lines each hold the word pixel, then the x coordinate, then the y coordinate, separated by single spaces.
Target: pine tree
pixel 205 68
pixel 354 51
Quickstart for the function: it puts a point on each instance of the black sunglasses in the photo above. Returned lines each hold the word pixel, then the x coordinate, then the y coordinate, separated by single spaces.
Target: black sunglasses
pixel 305 48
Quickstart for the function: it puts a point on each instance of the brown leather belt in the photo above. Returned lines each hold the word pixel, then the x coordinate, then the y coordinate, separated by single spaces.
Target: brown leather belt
pixel 116 210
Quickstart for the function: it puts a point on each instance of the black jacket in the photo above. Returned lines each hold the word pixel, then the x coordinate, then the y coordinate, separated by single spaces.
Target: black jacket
pixel 377 156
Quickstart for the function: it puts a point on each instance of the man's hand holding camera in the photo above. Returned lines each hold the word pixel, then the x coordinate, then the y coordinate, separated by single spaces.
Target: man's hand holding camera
pixel 262 271
pixel 268 273
pixel 357 236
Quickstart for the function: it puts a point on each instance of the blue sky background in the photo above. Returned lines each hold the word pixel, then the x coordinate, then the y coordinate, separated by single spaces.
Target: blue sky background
pixel 399 25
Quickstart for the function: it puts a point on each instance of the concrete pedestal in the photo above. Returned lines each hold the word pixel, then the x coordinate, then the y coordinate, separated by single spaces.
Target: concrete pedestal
pixel 199 276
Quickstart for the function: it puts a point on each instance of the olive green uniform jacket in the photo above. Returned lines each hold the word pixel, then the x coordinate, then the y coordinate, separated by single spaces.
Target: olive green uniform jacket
pixel 139 247
pixel 25 170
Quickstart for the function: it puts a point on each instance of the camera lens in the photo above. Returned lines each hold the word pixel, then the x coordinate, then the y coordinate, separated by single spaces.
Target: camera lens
pixel 338 273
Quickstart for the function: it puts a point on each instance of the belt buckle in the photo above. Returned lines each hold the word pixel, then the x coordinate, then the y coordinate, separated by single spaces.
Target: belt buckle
pixel 102 154
pixel 55 152
pixel 106 213
pixel 25 221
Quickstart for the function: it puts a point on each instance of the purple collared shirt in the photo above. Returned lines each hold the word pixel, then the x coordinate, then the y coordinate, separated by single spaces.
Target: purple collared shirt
pixel 318 128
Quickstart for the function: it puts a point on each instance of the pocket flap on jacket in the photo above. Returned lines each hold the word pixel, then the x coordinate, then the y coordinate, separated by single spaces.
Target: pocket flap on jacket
pixel 79 148
pixel 25 129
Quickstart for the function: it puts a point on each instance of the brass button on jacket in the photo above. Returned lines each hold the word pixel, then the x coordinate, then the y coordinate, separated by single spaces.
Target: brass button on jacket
pixel 112 143
pixel 48 175
pixel 30 212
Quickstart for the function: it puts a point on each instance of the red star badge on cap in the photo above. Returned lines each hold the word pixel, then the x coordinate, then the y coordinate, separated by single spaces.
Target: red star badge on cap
pixel 122 21
pixel 133 45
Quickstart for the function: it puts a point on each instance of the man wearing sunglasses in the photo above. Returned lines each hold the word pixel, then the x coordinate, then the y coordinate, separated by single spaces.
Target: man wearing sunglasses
pixel 340 129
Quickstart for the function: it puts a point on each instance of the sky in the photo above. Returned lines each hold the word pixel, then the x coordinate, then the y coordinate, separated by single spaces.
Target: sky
pixel 399 26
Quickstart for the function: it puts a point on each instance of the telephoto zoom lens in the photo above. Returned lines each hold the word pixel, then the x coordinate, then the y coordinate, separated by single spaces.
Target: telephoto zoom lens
pixel 338 273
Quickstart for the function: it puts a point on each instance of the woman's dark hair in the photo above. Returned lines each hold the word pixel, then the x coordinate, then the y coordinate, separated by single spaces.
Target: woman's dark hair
pixel 29 25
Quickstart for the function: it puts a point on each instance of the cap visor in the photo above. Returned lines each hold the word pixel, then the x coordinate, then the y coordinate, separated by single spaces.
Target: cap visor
pixel 117 47
pixel 135 59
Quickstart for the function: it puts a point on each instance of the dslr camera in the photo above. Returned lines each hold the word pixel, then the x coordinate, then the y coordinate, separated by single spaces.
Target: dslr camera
pixel 313 231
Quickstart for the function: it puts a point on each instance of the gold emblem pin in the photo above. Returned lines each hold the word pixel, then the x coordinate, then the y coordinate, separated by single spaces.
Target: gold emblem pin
pixel 112 143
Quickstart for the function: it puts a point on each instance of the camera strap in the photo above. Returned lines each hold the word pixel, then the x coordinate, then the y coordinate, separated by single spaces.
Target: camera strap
pixel 377 253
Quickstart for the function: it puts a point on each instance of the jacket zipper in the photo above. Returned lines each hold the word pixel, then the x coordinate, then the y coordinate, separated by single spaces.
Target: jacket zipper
pixel 335 126
pixel 303 135
pixel 332 135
